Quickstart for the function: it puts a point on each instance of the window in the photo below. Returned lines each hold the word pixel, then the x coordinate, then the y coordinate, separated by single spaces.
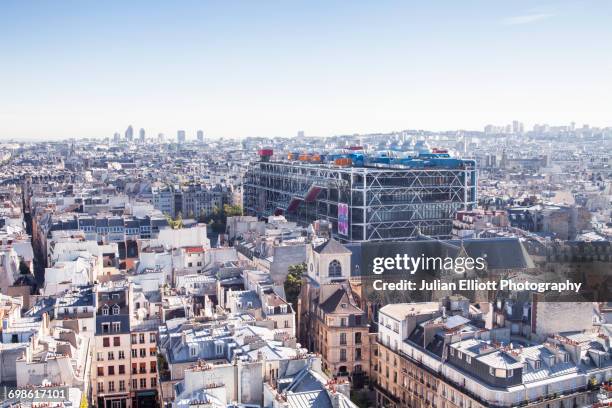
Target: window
pixel 335 268
pixel 121 385
pixel 134 339
pixel 99 357
pixel 134 383
pixel 105 310
pixel 116 327
pixel 343 339
pixel 134 368
pixel 468 359
pixel 152 338
pixel 143 368
pixel 100 386
pixel 116 341
pixel 152 351
pixel 105 327
pixel 357 354
pixel 537 364
pixel 342 354
pixel 111 355
pixel 115 296
pixel 451 351
pixel 121 369
pixel 357 338
pixel 142 338
pixel 100 371
pixel 106 342
pixel 153 382
pixel 134 353
pixel 498 372
pixel 219 349
pixel 143 352
pixel 121 355
pixel 153 366
pixel 111 370
pixel 343 322
pixel 143 383
pixel 116 309
pixel 111 386
pixel 286 324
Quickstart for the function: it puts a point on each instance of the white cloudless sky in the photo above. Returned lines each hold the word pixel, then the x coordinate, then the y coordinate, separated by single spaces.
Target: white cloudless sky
pixel 271 68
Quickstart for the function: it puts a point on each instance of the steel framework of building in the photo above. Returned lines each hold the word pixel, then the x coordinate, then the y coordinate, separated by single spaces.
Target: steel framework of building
pixel 385 203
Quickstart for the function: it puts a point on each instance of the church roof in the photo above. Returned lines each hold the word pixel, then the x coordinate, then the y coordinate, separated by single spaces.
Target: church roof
pixel 331 246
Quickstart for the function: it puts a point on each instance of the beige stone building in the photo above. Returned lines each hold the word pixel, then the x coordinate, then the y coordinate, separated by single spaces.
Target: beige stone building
pixel 331 320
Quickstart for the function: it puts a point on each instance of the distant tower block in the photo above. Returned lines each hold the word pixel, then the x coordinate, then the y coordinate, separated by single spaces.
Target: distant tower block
pixel 200 136
pixel 129 133
pixel 180 136
pixel 300 134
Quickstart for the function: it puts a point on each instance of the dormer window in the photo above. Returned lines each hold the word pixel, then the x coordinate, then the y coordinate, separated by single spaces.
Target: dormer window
pixel 116 309
pixel 335 268
pixel 105 310
pixel 537 364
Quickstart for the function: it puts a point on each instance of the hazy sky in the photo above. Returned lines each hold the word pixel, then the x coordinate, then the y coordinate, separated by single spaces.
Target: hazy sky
pixel 264 68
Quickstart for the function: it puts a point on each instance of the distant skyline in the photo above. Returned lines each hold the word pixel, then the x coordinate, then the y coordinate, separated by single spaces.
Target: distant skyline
pixel 267 68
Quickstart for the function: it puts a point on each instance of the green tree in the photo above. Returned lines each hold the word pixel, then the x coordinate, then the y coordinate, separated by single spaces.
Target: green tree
pixel 217 219
pixel 176 223
pixel 231 210
pixel 293 283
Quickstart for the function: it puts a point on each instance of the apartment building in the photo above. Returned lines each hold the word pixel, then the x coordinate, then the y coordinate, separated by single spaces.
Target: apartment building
pixel 143 358
pixel 111 376
pixel 231 358
pixel 428 357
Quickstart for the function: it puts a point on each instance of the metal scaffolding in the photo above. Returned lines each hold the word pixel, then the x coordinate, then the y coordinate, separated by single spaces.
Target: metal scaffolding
pixel 384 202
